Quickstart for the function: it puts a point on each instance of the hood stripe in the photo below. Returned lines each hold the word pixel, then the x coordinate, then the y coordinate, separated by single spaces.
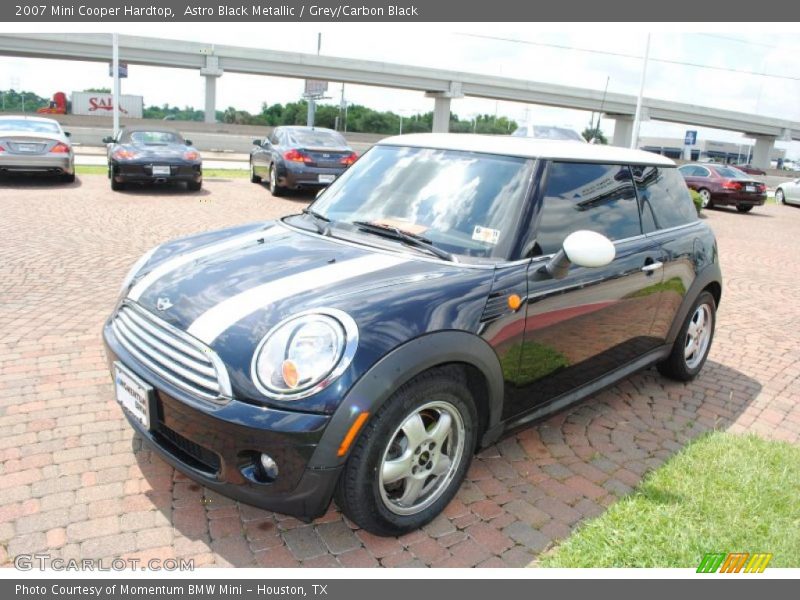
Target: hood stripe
pixel 208 326
pixel 184 259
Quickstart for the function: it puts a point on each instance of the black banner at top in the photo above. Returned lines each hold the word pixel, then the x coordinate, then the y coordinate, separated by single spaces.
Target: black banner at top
pixel 395 11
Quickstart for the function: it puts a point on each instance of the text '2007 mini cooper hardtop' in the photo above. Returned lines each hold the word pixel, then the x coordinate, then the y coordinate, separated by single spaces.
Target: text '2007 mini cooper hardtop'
pixel 444 289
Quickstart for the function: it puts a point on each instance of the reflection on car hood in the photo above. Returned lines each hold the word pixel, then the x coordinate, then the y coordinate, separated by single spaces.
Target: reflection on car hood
pixel 253 277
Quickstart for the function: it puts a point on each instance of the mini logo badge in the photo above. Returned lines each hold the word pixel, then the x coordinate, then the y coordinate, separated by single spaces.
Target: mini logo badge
pixel 163 303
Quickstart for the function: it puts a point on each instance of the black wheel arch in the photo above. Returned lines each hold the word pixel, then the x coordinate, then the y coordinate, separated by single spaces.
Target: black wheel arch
pixel 708 279
pixel 481 367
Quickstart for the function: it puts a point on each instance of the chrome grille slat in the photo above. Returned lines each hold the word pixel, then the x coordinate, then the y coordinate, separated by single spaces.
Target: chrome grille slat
pixel 204 368
pixel 172 354
pixel 162 359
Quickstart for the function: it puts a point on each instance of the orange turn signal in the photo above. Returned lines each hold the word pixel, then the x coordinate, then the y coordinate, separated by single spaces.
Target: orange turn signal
pixel 514 302
pixel 351 433
pixel 290 374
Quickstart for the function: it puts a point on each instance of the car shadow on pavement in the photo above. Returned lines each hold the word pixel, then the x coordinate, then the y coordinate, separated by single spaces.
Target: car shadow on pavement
pixel 521 495
pixel 29 182
pixel 170 189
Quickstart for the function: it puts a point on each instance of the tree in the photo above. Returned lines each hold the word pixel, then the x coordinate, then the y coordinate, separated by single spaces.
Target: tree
pixel 596 133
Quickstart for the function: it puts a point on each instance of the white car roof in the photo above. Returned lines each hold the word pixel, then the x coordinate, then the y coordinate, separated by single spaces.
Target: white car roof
pixel 528 148
pixel 27 118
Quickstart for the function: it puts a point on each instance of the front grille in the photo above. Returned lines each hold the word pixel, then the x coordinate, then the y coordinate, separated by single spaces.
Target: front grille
pixel 187 451
pixel 172 354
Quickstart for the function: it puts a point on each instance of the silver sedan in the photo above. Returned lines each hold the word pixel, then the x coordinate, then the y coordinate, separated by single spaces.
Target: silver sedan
pixel 35 145
pixel 788 192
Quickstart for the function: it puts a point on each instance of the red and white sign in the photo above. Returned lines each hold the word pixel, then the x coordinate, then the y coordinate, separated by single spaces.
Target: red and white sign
pixel 93 103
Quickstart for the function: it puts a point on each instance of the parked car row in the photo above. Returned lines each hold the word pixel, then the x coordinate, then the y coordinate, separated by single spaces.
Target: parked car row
pixel 720 185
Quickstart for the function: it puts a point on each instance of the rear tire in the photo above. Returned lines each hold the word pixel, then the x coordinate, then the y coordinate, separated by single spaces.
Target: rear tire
pixel 274 188
pixel 194 186
pixel 253 177
pixel 68 178
pixel 412 456
pixel 117 186
pixel 691 347
pixel 705 196
pixel 743 208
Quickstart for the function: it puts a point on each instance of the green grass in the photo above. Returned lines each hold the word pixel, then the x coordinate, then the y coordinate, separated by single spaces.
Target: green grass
pixel 207 173
pixel 721 493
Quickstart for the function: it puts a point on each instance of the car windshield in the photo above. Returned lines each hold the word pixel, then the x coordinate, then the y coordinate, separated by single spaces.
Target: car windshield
pixel 465 203
pixel 155 137
pixel 320 139
pixel 730 172
pixel 27 125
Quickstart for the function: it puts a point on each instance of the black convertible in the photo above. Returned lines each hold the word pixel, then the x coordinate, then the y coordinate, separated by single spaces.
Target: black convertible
pixel 149 155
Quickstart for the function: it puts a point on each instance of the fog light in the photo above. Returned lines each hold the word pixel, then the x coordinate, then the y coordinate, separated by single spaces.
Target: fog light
pixel 269 467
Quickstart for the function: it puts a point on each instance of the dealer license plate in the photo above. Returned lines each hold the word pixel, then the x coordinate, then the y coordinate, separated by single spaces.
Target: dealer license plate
pixel 28 147
pixel 133 394
pixel 161 170
pixel 749 188
pixel 326 178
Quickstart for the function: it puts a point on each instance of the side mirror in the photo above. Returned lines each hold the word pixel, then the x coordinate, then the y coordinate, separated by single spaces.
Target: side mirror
pixel 188 142
pixel 68 134
pixel 257 142
pixel 108 140
pixel 582 248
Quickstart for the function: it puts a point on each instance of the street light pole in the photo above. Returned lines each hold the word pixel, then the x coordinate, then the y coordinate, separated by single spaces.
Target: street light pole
pixel 637 120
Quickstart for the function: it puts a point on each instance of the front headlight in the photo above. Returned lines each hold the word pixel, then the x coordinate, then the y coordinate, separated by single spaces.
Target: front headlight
pixel 136 267
pixel 303 354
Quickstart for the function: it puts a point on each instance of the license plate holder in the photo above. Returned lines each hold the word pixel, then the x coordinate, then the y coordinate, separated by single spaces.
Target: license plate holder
pixel 749 188
pixel 133 394
pixel 161 170
pixel 322 178
pixel 28 147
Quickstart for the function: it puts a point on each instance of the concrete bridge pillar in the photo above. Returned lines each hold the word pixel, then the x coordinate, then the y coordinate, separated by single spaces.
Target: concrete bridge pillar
pixel 441 106
pixel 211 72
pixel 623 131
pixel 762 151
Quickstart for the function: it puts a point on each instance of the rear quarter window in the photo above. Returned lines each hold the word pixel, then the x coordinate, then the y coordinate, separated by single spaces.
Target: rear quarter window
pixel 664 198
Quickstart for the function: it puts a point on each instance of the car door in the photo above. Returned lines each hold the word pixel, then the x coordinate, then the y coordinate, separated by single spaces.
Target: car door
pixel 594 320
pixel 667 211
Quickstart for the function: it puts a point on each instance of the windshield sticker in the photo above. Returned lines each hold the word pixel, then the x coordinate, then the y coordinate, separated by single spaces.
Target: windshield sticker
pixel 486 235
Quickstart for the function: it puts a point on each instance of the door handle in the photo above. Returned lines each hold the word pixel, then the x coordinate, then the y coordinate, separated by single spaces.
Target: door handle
pixel 654 266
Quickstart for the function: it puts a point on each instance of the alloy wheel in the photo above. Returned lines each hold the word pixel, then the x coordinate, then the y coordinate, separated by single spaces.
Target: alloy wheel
pixel 698 336
pixel 422 457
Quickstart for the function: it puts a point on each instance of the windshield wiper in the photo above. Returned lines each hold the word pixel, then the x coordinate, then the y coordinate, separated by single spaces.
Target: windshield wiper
pixel 411 239
pixel 321 222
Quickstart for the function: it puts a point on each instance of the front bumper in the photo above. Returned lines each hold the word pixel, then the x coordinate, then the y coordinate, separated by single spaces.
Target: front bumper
pixel 56 164
pixel 143 173
pixel 216 445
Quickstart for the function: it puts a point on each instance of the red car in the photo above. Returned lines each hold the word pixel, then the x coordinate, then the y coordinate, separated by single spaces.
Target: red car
pixel 751 170
pixel 723 185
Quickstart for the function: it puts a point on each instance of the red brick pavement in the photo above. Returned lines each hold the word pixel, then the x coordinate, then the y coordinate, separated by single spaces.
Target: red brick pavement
pixel 75 482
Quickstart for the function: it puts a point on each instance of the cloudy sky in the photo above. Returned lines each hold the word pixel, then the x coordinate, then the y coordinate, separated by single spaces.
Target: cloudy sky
pixel 754 72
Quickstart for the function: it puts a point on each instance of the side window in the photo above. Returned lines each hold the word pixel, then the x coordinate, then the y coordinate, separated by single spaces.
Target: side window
pixel 664 197
pixel 600 198
pixel 690 171
pixel 701 172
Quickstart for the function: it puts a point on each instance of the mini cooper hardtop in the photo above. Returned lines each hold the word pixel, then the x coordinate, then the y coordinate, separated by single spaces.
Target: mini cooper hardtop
pixel 443 290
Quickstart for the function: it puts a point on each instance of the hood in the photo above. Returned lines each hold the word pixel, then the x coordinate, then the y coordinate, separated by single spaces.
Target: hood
pixel 260 276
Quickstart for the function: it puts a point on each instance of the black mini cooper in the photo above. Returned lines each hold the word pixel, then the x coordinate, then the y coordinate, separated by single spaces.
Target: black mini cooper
pixel 443 290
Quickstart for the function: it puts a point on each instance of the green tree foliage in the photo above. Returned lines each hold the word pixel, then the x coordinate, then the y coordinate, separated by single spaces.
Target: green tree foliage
pixel 590 132
pixel 12 101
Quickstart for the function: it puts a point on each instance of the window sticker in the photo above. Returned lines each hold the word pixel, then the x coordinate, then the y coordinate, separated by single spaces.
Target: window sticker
pixel 486 235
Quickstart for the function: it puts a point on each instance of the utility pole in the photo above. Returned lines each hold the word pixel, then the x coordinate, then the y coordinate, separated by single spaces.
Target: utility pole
pixel 115 73
pixel 637 119
pixel 312 101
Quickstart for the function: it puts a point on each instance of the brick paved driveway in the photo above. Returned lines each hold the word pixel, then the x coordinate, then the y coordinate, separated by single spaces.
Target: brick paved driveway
pixel 75 482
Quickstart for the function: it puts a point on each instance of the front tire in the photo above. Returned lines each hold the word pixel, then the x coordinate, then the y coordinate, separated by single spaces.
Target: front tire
pixel 779 197
pixel 412 456
pixel 691 347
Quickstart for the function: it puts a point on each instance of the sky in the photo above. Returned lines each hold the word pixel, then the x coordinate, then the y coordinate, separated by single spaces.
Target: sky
pixel 755 72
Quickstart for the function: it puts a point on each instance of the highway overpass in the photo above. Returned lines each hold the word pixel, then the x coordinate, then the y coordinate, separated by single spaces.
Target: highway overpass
pixel 213 61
